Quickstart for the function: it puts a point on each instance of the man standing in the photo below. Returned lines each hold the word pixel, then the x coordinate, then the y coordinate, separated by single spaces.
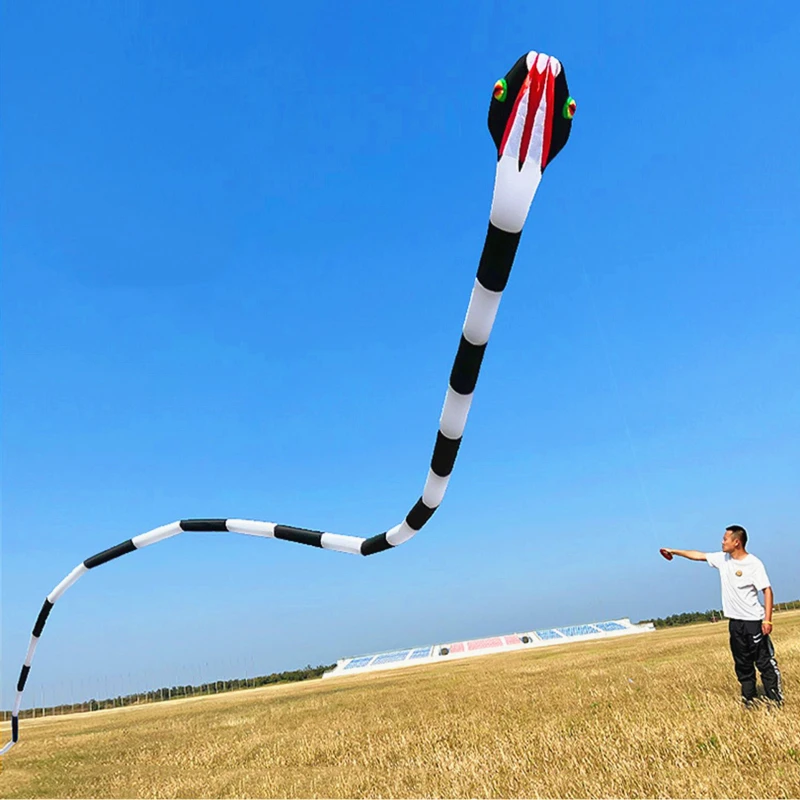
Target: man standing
pixel 743 576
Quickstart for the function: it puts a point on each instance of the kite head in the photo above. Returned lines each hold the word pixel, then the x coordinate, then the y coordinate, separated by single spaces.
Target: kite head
pixel 530 119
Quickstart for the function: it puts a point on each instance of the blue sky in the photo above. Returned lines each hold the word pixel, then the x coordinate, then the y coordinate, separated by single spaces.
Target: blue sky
pixel 237 248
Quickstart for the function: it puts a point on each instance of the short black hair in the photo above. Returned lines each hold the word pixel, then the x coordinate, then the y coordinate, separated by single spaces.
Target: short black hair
pixel 738 533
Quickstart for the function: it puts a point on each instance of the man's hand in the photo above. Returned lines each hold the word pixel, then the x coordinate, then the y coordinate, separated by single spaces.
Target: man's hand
pixel 766 628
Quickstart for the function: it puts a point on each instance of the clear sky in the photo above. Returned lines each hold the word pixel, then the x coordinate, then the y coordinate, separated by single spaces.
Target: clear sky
pixel 238 243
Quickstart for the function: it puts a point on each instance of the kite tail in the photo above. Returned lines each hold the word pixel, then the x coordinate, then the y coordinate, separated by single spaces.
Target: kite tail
pixel 496 261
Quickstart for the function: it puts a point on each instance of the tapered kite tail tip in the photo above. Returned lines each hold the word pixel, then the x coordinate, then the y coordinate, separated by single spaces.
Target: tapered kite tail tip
pixel 14 738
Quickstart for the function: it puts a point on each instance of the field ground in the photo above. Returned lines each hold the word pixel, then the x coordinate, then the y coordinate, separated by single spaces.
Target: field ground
pixel 655 715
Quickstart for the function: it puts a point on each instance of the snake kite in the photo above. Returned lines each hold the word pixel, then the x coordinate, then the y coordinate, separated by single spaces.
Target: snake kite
pixel 530 119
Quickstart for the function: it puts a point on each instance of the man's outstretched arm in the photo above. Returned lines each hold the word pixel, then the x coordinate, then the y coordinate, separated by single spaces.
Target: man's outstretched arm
pixel 692 555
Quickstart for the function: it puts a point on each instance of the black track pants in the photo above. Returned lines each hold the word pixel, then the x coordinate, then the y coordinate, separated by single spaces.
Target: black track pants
pixel 752 649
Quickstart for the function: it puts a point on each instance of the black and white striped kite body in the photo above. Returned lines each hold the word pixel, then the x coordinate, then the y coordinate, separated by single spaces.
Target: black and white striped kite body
pixel 530 118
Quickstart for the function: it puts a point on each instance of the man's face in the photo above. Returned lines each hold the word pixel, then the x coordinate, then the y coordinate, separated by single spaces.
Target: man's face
pixel 729 543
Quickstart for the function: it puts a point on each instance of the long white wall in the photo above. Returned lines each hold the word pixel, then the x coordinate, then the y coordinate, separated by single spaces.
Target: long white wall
pixel 447 651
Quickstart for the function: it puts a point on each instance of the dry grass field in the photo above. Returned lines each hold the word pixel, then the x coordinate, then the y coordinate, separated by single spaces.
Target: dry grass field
pixel 655 715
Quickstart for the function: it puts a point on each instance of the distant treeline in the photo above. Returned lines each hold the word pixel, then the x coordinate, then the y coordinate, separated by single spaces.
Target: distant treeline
pixel 686 618
pixel 173 692
pixel 713 615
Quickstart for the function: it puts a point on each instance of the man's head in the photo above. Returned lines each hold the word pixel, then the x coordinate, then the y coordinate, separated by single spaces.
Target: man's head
pixel 735 538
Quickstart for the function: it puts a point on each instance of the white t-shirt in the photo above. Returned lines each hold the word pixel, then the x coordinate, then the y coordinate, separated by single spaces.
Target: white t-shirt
pixel 742 579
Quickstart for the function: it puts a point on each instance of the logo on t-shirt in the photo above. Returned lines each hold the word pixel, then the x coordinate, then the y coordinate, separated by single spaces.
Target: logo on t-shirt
pixel 738 573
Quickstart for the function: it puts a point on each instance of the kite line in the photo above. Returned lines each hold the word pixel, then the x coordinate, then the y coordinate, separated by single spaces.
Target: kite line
pixel 530 118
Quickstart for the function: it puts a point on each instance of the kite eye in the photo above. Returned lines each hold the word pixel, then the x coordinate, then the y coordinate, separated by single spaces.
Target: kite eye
pixel 569 108
pixel 500 90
